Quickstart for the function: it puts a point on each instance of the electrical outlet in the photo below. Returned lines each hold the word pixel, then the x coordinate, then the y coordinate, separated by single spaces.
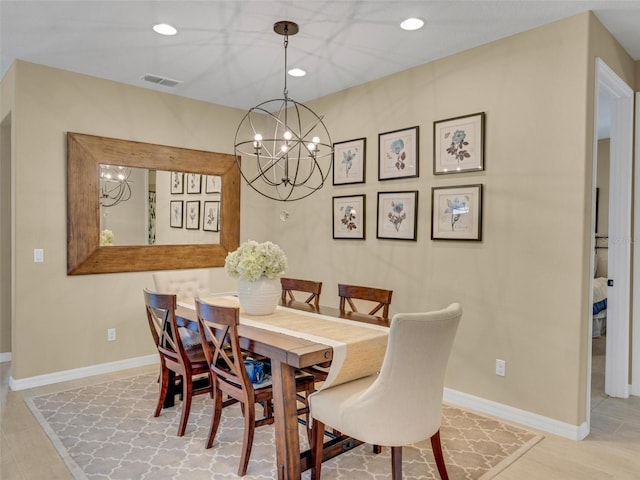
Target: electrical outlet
pixel 111 334
pixel 501 367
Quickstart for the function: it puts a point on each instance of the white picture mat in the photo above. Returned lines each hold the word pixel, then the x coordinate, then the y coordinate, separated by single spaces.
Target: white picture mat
pixel 466 226
pixel 390 221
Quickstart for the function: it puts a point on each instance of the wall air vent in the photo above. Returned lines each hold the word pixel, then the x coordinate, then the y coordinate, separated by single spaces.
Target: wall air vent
pixel 158 80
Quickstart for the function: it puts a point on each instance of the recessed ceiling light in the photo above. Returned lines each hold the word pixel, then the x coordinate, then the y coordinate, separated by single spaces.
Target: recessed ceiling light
pixel 297 72
pixel 164 29
pixel 412 24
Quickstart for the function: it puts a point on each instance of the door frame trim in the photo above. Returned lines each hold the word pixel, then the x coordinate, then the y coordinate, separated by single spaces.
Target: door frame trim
pixel 620 239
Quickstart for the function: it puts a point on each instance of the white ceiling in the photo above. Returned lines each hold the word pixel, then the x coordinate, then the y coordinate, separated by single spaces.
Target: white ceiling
pixel 226 51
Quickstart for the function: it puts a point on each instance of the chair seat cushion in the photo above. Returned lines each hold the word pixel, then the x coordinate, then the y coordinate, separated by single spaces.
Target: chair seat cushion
pixel 189 337
pixel 196 356
pixel 328 406
pixel 302 379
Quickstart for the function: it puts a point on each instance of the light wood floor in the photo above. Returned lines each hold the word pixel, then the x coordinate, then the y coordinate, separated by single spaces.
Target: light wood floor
pixel 612 450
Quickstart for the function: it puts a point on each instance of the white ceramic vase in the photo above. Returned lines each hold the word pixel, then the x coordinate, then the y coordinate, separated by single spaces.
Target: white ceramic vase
pixel 259 297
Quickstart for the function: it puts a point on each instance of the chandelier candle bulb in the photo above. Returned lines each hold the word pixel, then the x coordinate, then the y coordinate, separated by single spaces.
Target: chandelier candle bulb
pixel 115 186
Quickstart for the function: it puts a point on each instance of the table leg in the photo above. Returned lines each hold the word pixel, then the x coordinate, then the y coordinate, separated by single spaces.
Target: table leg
pixel 286 421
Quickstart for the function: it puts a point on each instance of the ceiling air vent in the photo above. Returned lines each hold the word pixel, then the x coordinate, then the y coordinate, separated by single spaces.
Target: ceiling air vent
pixel 158 80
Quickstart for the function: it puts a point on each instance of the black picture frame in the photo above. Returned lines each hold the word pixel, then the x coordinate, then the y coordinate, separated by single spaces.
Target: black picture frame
pixel 192 215
pixel 176 211
pixel 397 215
pixel 456 212
pixel 211 216
pixel 349 217
pixel 350 161
pixel 399 154
pixel 194 182
pixel 458 144
pixel 177 183
pixel 212 184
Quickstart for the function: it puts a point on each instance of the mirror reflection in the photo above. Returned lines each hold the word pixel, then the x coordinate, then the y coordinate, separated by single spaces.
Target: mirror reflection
pixel 140 206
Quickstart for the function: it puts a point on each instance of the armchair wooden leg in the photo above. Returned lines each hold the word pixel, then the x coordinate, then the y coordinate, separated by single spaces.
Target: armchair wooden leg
pixel 164 387
pixel 215 417
pixel 187 394
pixel 247 441
pixel 396 463
pixel 436 446
pixel 317 441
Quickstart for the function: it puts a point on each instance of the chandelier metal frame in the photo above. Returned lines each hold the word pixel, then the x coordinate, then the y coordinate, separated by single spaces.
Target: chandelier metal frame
pixel 285 146
pixel 115 186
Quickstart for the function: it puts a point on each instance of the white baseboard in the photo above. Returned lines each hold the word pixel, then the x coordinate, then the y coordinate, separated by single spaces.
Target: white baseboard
pixel 454 397
pixel 515 415
pixel 49 378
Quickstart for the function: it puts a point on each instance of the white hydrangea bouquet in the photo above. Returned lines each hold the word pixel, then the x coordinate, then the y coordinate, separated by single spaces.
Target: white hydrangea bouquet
pixel 253 261
pixel 106 237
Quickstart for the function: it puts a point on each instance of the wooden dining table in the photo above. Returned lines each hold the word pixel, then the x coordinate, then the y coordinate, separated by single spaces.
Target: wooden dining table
pixel 289 352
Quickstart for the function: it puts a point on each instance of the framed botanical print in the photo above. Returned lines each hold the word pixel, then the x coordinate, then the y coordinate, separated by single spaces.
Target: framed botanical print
pixel 192 215
pixel 177 185
pixel 175 212
pixel 397 215
pixel 194 182
pixel 349 217
pixel 456 213
pixel 458 144
pixel 398 154
pixel 211 217
pixel 213 184
pixel 349 161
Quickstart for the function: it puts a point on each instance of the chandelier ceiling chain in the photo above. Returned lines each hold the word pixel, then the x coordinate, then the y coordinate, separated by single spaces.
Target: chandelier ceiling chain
pixel 285 92
pixel 283 148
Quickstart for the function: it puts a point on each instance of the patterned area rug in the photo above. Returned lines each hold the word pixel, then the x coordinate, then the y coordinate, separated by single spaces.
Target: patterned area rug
pixel 107 431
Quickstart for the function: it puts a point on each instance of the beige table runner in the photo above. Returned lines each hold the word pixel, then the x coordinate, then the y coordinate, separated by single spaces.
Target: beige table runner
pixel 358 348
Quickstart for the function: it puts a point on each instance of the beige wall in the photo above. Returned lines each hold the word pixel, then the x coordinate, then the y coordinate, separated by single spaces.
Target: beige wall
pixel 523 288
pixel 6 106
pixel 5 236
pixel 61 321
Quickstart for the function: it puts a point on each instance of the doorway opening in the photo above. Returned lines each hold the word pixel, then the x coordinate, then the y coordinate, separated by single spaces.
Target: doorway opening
pixel 614 108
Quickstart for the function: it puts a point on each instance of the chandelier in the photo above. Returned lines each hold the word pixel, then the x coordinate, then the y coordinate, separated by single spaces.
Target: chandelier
pixel 285 147
pixel 115 186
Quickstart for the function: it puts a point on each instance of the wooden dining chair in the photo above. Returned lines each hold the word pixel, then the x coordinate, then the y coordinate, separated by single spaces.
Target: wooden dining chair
pixel 380 298
pixel 411 379
pixel 229 375
pixel 292 285
pixel 185 363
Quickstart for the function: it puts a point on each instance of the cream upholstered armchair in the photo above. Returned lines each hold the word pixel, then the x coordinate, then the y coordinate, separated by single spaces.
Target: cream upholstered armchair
pixel 408 390
pixel 185 285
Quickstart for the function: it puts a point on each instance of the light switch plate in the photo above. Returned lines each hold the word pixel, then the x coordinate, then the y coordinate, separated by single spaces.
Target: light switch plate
pixel 38 255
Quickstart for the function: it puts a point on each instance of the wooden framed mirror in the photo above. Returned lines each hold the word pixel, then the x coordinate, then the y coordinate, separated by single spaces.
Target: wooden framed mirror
pixel 85 255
